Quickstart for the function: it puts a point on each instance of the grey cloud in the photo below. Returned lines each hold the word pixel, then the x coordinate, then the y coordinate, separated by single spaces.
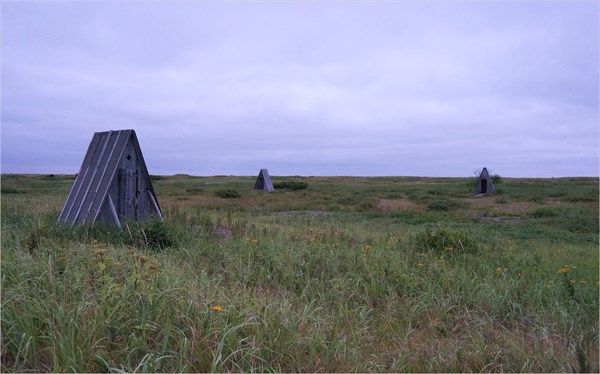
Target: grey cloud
pixel 311 88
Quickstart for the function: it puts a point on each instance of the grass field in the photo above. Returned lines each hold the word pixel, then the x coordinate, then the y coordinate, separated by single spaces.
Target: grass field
pixel 392 274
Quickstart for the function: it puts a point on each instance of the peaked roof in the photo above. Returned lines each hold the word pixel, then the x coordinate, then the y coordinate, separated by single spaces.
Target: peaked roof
pixel 98 173
pixel 484 183
pixel 263 182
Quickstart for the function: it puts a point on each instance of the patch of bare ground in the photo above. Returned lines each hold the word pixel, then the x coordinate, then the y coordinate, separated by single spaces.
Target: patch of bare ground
pixel 394 205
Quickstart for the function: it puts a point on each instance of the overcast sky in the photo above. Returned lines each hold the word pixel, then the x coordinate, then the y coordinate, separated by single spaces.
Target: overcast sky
pixel 361 88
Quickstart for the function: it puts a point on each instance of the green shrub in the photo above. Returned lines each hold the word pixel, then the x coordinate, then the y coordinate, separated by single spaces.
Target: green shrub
pixel 419 196
pixel 579 220
pixel 153 233
pixel 290 185
pixel 228 193
pixel 443 205
pixel 573 219
pixel 446 241
pixel 496 179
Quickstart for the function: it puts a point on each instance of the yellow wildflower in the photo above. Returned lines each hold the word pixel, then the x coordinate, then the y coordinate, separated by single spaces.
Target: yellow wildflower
pixel 255 242
pixel 366 247
pixel 216 308
pixel 498 269
pixel 420 265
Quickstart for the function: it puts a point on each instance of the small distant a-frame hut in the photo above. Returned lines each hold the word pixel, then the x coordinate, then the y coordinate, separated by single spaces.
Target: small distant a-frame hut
pixel 484 183
pixel 263 182
pixel 113 184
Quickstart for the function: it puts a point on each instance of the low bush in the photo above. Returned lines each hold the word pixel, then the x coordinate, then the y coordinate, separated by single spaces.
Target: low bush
pixel 419 196
pixel 446 241
pixel 228 193
pixel 153 233
pixel 578 220
pixel 443 205
pixel 290 185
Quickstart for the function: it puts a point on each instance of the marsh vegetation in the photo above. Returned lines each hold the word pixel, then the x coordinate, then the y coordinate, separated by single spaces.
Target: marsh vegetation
pixel 402 274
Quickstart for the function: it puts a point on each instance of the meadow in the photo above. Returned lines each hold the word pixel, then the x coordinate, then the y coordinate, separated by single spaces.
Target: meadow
pixel 378 274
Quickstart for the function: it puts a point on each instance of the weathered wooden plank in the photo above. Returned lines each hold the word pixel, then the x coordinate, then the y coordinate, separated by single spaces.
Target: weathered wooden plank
pixel 113 210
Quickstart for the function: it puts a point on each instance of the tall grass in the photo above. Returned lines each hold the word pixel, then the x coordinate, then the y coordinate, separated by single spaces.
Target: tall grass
pixel 230 289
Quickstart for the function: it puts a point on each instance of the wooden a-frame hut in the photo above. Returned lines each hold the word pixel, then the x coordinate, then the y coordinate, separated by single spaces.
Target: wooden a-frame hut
pixel 484 184
pixel 263 182
pixel 113 184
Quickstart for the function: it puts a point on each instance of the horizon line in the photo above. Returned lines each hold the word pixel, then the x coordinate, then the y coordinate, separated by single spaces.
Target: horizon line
pixel 310 176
